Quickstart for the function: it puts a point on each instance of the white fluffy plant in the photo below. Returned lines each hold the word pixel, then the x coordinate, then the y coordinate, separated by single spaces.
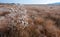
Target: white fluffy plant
pixel 18 14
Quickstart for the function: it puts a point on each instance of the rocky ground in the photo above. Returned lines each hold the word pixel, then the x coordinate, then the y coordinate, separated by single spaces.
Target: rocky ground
pixel 29 20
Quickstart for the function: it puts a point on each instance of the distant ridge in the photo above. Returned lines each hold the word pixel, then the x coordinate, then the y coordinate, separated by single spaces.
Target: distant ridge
pixel 7 3
pixel 58 3
pixel 54 4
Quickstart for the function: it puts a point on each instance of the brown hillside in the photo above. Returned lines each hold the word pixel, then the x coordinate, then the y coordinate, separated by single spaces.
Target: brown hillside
pixel 29 21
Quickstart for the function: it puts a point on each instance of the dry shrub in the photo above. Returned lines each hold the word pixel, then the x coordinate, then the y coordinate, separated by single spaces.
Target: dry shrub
pixel 51 29
pixel 4 13
pixel 18 23
pixel 3 24
pixel 38 20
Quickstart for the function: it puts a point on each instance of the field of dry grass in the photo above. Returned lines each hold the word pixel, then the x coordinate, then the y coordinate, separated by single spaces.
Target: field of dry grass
pixel 29 21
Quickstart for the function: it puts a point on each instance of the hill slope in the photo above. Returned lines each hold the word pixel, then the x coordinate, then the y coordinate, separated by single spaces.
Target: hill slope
pixel 29 21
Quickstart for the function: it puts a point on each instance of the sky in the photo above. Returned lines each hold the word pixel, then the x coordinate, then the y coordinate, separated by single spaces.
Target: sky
pixel 29 1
